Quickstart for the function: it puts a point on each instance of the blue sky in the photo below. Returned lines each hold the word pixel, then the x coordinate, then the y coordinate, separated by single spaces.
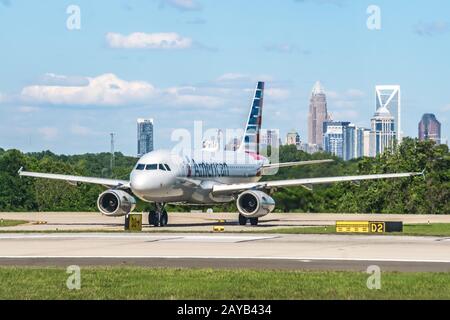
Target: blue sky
pixel 179 61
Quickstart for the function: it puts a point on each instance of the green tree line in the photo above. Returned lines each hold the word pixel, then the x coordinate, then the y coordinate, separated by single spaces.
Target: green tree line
pixel 414 195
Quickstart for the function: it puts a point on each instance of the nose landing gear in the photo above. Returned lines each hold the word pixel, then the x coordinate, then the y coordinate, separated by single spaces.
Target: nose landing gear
pixel 159 216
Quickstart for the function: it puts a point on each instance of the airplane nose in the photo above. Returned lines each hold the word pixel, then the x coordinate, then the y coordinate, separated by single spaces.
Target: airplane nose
pixel 141 183
pixel 138 183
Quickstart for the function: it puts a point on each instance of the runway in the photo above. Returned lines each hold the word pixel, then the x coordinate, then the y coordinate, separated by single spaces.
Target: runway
pixel 295 252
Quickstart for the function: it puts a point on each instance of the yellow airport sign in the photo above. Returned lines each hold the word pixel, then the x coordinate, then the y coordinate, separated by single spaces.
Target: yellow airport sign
pixel 352 226
pixel 377 227
pixel 368 226
pixel 133 222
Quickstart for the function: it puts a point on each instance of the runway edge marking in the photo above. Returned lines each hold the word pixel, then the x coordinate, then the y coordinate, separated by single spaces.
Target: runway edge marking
pixel 228 257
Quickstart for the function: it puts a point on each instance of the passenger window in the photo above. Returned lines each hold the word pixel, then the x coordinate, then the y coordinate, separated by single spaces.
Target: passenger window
pixel 151 167
pixel 140 166
pixel 167 167
pixel 161 167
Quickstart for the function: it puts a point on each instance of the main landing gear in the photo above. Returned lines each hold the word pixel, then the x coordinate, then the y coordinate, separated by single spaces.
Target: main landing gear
pixel 159 216
pixel 243 220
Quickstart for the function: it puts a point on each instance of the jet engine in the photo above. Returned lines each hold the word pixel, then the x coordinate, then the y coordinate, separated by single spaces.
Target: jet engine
pixel 116 203
pixel 255 204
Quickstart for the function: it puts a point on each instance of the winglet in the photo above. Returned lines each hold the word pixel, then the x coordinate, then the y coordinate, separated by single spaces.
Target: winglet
pixel 20 171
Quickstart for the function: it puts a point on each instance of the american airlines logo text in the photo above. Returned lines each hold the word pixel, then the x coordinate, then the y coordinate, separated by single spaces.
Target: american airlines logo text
pixel 208 169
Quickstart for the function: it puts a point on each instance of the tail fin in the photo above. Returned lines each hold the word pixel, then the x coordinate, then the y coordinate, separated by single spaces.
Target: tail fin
pixel 251 139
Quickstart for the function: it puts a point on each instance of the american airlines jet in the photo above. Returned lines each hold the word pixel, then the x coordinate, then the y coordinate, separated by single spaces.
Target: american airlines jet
pixel 206 177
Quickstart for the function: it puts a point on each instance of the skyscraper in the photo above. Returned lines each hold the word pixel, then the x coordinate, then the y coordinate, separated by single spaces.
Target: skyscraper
pixel 317 115
pixel 359 143
pixel 390 98
pixel 293 139
pixel 334 138
pixel 343 139
pixel 270 138
pixel 430 128
pixel 144 136
pixel 350 142
pixel 382 134
pixel 366 142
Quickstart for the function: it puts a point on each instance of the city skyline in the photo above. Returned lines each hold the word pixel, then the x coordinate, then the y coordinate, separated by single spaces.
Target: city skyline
pixel 65 90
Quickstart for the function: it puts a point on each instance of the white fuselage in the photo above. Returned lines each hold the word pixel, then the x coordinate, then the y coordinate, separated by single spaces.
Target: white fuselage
pixel 161 176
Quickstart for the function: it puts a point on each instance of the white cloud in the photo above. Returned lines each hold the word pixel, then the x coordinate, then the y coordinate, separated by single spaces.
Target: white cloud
pixel 189 96
pixel 108 90
pixel 104 90
pixel 183 5
pixel 141 40
pixel 48 133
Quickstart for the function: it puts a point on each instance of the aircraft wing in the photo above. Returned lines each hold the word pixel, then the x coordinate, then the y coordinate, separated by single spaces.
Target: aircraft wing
pixel 76 179
pixel 294 164
pixel 233 188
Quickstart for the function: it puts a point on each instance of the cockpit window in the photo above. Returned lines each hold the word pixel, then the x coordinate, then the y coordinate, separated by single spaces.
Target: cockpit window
pixel 161 167
pixel 140 166
pixel 167 167
pixel 151 167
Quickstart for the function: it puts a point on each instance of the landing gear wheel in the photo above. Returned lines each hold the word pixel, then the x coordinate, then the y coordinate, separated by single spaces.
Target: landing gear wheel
pixel 153 219
pixel 242 220
pixel 164 219
pixel 158 217
pixel 254 221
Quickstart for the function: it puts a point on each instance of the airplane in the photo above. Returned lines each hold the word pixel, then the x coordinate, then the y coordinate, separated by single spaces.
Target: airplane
pixel 162 177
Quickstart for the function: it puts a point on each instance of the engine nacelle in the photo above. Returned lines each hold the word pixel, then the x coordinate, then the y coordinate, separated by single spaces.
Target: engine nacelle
pixel 116 203
pixel 255 204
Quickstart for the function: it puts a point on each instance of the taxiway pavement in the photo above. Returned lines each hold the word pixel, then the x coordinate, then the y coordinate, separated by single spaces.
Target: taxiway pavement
pixel 302 252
